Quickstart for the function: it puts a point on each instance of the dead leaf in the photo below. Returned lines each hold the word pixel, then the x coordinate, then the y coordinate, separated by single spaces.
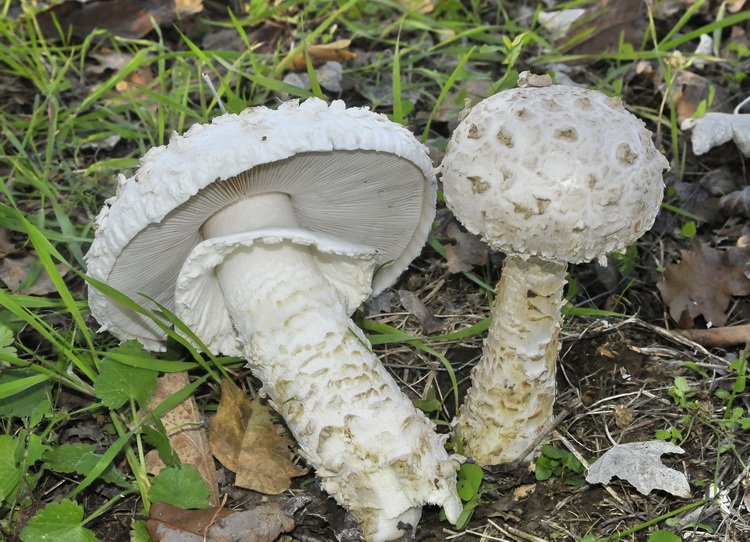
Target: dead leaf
pixel 319 54
pixel 245 440
pixel 184 425
pixel 6 245
pixel 420 6
pixel 703 283
pixel 228 425
pixel 602 25
pixel 328 76
pixel 15 271
pixel 736 204
pixel 261 524
pixel 469 250
pixel 714 129
pixel 125 18
pixel 411 302
pixel 688 91
pixel 639 463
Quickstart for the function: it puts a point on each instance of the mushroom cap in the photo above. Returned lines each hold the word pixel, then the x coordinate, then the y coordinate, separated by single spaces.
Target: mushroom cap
pixel 350 174
pixel 559 172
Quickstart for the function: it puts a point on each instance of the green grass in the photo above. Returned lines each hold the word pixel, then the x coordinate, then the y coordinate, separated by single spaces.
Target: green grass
pixel 56 173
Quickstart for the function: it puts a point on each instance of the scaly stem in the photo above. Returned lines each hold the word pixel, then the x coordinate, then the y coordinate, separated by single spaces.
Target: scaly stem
pixel 374 452
pixel 513 385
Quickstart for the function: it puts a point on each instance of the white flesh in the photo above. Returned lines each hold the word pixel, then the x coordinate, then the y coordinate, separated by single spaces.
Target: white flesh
pixel 372 449
pixel 513 385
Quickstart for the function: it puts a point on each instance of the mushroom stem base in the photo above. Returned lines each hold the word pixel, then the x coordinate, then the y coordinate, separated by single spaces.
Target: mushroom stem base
pixel 513 385
pixel 372 449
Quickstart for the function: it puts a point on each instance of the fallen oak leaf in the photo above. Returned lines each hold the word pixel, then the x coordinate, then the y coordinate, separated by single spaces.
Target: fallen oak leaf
pixel 599 29
pixel 639 463
pixel 184 425
pixel 714 129
pixel 261 524
pixel 265 460
pixel 245 440
pixel 704 282
pixel 125 18
pixel 468 251
pixel 411 302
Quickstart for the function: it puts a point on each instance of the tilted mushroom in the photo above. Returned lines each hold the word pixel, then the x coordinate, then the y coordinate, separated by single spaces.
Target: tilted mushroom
pixel 549 175
pixel 262 232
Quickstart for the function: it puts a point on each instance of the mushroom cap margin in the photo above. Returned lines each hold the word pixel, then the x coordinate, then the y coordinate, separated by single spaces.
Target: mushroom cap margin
pixel 169 176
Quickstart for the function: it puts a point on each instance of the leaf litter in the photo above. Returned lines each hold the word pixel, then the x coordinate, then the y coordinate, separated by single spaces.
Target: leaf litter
pixel 611 381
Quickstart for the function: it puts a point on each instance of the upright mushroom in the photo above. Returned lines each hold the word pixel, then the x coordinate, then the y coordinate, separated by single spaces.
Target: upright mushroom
pixel 262 232
pixel 549 175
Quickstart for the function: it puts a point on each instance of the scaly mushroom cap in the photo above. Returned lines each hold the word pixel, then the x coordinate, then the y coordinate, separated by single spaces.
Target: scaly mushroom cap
pixel 559 172
pixel 350 174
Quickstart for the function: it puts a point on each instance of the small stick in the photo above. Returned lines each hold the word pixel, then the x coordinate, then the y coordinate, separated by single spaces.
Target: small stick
pixel 210 84
pixel 507 529
pixel 572 449
pixel 720 337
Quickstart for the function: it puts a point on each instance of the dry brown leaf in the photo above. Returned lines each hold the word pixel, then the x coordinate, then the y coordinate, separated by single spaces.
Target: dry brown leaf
pixel 421 6
pixel 603 24
pixel 184 425
pixel 639 463
pixel 14 272
pixel 411 302
pixel 319 54
pixel 125 18
pixel 468 251
pixel 704 282
pixel 6 245
pixel 688 91
pixel 261 524
pixel 245 440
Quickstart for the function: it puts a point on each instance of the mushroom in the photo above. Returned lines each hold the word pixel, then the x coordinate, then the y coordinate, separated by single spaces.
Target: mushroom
pixel 262 232
pixel 549 175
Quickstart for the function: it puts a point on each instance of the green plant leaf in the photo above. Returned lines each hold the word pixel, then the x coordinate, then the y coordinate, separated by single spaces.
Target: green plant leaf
pixel 469 479
pixel 81 459
pixel 60 521
pixel 180 486
pixel 6 340
pixel 10 472
pixel 118 383
pixel 31 389
pixel 157 437
pixel 430 403
pixel 663 536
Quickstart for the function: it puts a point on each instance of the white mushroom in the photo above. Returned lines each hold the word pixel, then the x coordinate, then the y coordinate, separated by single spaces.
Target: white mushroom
pixel 548 175
pixel 262 232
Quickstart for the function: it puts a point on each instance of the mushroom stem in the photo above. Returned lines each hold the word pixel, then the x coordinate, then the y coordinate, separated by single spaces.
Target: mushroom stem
pixel 513 385
pixel 372 449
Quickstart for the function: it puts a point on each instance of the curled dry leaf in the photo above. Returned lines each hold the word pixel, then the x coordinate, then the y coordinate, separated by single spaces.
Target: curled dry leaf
pixel 261 524
pixel 411 302
pixel 602 25
pixel 125 18
pixel 715 129
pixel 334 51
pixel 468 251
pixel 639 463
pixel 184 425
pixel 703 283
pixel 14 273
pixel 245 440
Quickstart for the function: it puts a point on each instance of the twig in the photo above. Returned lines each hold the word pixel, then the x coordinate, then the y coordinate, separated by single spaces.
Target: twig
pixel 516 532
pixel 720 337
pixel 545 432
pixel 572 449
